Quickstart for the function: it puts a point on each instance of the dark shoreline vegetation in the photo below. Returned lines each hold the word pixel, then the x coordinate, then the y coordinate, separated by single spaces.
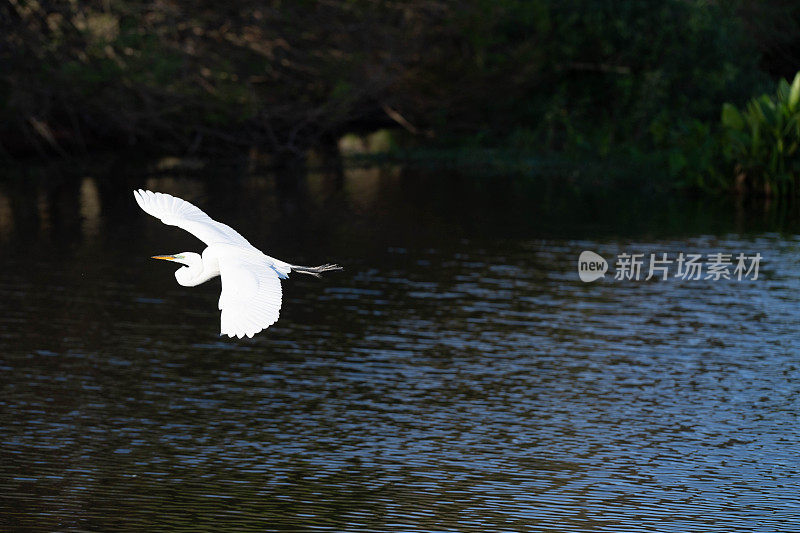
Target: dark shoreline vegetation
pixel 601 93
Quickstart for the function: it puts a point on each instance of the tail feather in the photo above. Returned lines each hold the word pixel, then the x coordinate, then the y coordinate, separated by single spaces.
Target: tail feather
pixel 317 270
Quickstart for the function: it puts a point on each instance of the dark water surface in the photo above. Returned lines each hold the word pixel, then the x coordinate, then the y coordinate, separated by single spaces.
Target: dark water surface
pixel 457 376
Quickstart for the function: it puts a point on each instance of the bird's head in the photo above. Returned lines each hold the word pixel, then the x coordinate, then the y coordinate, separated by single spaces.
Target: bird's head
pixel 188 274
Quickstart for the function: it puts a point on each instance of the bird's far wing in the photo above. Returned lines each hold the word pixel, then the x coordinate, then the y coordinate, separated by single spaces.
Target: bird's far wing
pixel 176 212
pixel 251 295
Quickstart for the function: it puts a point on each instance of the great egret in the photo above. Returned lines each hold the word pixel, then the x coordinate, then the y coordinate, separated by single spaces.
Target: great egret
pixel 251 287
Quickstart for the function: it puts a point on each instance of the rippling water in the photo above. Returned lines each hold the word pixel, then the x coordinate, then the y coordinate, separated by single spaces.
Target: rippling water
pixel 456 377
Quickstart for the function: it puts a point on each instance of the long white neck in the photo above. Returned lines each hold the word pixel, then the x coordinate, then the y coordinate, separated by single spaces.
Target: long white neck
pixel 197 270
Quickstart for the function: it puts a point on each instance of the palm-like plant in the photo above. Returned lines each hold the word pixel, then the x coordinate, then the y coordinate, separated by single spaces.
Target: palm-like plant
pixel 762 141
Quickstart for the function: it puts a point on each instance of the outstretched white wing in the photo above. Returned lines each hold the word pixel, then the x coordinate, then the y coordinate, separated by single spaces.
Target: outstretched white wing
pixel 176 212
pixel 251 294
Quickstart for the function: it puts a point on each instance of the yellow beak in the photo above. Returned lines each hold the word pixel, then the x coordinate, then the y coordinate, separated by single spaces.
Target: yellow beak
pixel 164 257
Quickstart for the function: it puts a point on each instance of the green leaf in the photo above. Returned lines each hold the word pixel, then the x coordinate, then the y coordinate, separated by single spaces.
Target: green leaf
pixel 794 93
pixel 731 118
pixel 768 109
pixel 783 90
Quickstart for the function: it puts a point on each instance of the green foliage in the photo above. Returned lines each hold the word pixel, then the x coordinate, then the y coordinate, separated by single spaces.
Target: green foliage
pixel 566 78
pixel 585 75
pixel 694 157
pixel 762 141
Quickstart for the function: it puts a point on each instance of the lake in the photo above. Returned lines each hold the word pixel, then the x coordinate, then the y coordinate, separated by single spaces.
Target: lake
pixel 456 376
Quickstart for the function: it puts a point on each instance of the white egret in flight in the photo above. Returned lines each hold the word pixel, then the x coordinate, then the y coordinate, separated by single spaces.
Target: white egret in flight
pixel 251 287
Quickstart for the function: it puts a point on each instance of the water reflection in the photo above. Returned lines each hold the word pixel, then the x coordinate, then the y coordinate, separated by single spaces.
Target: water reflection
pixel 364 185
pixel 6 217
pixel 43 210
pixel 457 376
pixel 90 208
